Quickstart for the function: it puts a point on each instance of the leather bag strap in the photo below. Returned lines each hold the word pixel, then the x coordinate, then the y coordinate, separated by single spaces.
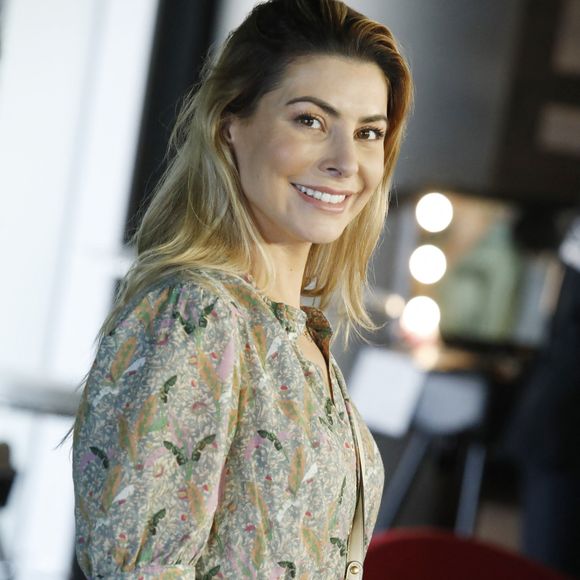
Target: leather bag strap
pixel 355 546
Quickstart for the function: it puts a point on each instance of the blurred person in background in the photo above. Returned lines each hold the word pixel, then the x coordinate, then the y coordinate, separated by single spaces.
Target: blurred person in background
pixel 545 433
pixel 215 437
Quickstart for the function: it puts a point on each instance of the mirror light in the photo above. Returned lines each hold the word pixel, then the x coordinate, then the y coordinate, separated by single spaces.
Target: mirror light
pixel 427 264
pixel 434 212
pixel 394 305
pixel 421 317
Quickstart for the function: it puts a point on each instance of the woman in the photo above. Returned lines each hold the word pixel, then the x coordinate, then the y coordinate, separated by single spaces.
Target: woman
pixel 215 438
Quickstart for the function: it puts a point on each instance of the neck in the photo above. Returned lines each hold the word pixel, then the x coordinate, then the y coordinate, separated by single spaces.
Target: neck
pixel 289 265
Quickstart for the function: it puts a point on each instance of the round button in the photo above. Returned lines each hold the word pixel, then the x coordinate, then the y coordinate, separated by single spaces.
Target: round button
pixel 354 568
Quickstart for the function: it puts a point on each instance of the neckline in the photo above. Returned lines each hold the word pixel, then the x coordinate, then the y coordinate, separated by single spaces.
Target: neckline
pixel 296 320
pixel 293 319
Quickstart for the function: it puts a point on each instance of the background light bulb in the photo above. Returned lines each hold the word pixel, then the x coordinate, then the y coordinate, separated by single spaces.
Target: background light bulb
pixel 434 212
pixel 427 264
pixel 421 317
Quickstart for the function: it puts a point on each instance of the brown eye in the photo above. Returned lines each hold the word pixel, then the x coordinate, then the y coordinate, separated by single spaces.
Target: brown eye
pixel 309 121
pixel 371 134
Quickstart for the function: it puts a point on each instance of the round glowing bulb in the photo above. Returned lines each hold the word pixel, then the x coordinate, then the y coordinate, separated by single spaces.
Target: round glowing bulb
pixel 394 305
pixel 427 264
pixel 434 212
pixel 421 317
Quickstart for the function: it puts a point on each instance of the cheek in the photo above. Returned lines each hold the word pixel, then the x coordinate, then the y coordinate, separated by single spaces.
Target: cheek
pixel 362 202
pixel 286 156
pixel 376 170
pixel 266 164
pixel 374 176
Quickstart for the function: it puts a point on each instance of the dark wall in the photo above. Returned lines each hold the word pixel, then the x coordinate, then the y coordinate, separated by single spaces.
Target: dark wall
pixel 184 32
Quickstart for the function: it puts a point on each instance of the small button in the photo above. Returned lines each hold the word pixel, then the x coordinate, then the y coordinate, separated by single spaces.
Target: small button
pixel 354 568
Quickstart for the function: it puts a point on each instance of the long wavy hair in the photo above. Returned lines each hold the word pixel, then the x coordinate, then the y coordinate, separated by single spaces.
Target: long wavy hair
pixel 199 216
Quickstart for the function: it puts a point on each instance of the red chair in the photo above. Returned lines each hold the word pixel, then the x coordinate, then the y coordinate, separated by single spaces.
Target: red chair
pixel 423 554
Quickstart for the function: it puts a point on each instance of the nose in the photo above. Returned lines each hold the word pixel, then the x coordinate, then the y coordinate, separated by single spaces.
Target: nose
pixel 340 159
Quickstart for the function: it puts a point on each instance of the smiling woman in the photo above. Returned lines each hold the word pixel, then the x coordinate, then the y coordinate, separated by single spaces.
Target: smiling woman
pixel 311 155
pixel 216 436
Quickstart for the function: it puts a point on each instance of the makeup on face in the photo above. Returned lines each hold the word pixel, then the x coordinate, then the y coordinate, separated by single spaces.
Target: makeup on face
pixel 312 154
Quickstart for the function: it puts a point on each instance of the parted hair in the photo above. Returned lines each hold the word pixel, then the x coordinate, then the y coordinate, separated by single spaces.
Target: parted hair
pixel 199 216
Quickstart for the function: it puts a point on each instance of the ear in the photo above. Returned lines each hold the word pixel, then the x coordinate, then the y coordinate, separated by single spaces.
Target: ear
pixel 229 129
pixel 229 133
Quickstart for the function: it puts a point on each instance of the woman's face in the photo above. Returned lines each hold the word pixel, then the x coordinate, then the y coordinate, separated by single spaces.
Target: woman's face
pixel 311 155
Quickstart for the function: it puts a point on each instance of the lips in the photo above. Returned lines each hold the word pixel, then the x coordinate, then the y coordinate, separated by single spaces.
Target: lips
pixel 323 194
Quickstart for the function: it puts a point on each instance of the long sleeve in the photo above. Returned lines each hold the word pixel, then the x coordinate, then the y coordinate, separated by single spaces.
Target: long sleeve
pixel 153 432
pixel 207 446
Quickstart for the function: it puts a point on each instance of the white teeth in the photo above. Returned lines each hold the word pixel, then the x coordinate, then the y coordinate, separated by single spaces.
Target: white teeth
pixel 325 197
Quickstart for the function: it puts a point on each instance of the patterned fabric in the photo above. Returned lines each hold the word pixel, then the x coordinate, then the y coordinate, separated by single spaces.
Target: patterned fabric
pixel 207 446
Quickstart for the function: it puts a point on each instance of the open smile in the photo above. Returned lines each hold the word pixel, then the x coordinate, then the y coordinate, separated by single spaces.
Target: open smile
pixel 323 196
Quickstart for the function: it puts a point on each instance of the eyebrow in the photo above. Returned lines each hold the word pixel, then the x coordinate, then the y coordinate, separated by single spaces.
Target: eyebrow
pixel 326 107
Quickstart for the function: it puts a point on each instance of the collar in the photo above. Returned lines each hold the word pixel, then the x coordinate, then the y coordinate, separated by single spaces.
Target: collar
pixel 296 320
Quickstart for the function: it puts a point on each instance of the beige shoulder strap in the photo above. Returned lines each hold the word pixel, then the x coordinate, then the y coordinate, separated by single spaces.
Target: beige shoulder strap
pixel 355 548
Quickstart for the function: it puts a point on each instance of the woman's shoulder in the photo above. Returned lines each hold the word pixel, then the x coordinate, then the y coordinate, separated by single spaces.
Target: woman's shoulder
pixel 192 297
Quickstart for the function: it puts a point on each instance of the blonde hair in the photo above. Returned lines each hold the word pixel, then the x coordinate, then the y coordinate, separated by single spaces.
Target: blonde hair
pixel 199 217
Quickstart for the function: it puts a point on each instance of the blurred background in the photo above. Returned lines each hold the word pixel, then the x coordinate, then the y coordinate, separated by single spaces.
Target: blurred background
pixel 471 386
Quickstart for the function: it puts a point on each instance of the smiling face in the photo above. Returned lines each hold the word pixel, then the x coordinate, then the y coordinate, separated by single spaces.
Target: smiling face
pixel 311 155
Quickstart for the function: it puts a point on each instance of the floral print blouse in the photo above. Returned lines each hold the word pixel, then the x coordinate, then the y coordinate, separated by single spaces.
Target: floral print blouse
pixel 207 446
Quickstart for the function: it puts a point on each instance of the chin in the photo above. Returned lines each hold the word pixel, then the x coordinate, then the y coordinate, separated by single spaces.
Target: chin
pixel 323 237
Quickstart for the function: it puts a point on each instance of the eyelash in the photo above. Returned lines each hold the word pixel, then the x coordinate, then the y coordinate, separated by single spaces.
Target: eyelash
pixel 380 133
pixel 308 117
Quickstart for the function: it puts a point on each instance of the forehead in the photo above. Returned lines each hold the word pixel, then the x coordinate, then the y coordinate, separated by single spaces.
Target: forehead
pixel 351 86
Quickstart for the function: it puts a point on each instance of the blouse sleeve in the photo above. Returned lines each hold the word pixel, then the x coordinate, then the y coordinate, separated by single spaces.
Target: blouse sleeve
pixel 152 436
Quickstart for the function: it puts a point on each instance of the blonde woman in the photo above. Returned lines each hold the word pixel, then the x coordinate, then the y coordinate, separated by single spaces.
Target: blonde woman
pixel 215 438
